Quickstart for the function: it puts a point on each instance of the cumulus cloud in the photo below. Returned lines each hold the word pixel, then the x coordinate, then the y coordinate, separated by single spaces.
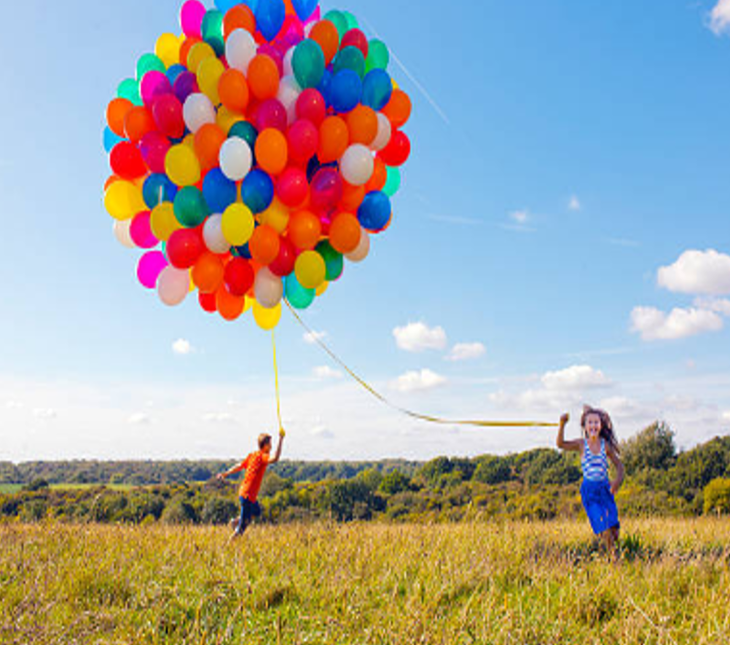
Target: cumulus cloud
pixel 574 203
pixel 417 337
pixel 697 272
pixel 575 377
pixel 720 17
pixel 466 351
pixel 218 417
pixel 418 381
pixel 182 347
pixel 44 413
pixel 718 305
pixel 326 372
pixel 312 337
pixel 653 324
pixel 139 419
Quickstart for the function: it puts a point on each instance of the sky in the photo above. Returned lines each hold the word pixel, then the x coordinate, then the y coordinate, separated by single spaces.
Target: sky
pixel 562 237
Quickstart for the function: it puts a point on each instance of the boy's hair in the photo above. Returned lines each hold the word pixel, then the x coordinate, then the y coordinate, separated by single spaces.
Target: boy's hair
pixel 264 439
pixel 607 432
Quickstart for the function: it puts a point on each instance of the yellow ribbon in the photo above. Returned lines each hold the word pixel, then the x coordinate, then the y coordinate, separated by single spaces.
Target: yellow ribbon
pixel 415 415
pixel 276 383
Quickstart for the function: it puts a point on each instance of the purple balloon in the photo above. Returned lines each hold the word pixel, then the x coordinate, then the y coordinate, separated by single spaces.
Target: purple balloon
pixel 185 85
pixel 271 114
pixel 326 189
pixel 149 267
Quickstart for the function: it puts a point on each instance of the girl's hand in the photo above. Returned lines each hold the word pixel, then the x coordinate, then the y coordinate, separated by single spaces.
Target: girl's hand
pixel 614 487
pixel 564 419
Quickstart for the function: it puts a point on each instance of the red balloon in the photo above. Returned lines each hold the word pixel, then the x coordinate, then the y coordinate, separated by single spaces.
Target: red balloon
pixel 292 187
pixel 271 114
pixel 167 112
pixel 397 151
pixel 238 277
pixel 326 189
pixel 154 147
pixel 126 161
pixel 303 139
pixel 283 265
pixel 311 106
pixel 355 38
pixel 184 247
pixel 207 302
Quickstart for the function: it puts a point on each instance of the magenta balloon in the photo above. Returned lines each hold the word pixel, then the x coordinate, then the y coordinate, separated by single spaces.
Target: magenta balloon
pixel 275 53
pixel 154 83
pixel 326 189
pixel 149 267
pixel 191 17
pixel 154 147
pixel 271 114
pixel 141 232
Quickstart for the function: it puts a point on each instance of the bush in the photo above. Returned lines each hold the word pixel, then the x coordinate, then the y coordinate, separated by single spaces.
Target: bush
pixel 179 511
pixel 493 470
pixel 717 496
pixel 217 510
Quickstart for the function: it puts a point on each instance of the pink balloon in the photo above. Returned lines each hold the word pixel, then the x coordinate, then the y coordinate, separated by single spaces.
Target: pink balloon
pixel 191 17
pixel 326 189
pixel 154 83
pixel 141 232
pixel 271 114
pixel 154 147
pixel 149 267
pixel 292 187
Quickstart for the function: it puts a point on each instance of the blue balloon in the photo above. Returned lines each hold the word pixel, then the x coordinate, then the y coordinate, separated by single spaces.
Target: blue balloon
pixel 345 90
pixel 257 191
pixel 157 188
pixel 374 212
pixel 174 71
pixel 298 296
pixel 376 89
pixel 241 252
pixel 304 8
pixel 219 191
pixel 110 139
pixel 325 85
pixel 225 5
pixel 253 5
pixel 270 16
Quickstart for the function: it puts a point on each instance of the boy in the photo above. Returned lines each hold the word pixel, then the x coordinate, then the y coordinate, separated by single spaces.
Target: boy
pixel 255 466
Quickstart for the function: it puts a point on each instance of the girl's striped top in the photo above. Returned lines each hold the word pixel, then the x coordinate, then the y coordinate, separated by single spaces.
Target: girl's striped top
pixel 595 467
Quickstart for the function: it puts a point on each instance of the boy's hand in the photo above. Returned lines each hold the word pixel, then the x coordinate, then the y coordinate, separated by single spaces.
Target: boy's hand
pixel 564 419
pixel 282 433
pixel 221 476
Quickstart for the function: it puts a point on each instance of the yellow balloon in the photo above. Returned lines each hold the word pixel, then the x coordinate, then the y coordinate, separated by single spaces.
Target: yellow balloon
pixel 197 54
pixel 163 221
pixel 276 216
pixel 248 303
pixel 123 200
pixel 210 71
pixel 225 118
pixel 265 318
pixel 321 289
pixel 237 224
pixel 189 141
pixel 310 269
pixel 167 49
pixel 182 165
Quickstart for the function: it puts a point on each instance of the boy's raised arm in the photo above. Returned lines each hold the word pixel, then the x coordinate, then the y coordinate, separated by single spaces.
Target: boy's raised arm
pixel 277 454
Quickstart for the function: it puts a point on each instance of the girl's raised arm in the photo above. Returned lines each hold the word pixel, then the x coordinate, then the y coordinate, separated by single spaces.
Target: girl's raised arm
pixel 573 444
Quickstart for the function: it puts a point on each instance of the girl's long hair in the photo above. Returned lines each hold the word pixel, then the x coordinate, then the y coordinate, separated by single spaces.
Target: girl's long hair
pixel 607 432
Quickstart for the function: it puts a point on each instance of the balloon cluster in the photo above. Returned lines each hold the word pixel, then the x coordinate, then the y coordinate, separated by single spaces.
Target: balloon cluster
pixel 253 154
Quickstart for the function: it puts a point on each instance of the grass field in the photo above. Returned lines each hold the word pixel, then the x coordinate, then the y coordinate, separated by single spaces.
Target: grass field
pixel 454 584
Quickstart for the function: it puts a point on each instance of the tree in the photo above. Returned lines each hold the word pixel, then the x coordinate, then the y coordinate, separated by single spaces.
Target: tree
pixel 217 510
pixel 717 496
pixel 653 448
pixel 394 482
pixel 493 470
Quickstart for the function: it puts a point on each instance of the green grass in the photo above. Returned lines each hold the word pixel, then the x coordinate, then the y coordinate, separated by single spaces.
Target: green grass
pixel 9 489
pixel 450 584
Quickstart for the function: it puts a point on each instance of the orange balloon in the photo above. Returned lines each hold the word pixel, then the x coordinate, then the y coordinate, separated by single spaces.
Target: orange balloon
pixel 238 17
pixel 233 90
pixel 398 109
pixel 264 244
pixel 325 34
pixel 116 112
pixel 186 47
pixel 345 233
pixel 112 180
pixel 352 197
pixel 272 152
pixel 362 123
pixel 263 77
pixel 379 176
pixel 208 272
pixel 304 229
pixel 229 306
pixel 137 123
pixel 208 141
pixel 334 138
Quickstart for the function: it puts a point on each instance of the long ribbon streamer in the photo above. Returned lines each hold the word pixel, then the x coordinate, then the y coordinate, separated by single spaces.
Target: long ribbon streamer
pixel 276 383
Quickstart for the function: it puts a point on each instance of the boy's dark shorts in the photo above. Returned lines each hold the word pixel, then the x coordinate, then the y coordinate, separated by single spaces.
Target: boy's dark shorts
pixel 249 510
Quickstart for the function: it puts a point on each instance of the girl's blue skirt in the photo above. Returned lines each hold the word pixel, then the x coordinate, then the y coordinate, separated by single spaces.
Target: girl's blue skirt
pixel 600 505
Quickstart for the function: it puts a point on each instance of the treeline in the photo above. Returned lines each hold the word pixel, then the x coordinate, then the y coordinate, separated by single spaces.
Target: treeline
pixel 538 484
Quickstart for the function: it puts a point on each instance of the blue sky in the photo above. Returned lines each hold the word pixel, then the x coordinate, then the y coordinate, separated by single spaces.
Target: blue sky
pixel 563 229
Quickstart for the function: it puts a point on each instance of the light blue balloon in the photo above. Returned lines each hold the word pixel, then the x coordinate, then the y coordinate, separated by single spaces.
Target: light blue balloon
pixel 110 139
pixel 270 16
pixel 225 5
pixel 298 296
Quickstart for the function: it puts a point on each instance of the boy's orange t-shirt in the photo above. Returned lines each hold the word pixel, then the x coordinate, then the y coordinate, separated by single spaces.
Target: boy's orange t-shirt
pixel 255 465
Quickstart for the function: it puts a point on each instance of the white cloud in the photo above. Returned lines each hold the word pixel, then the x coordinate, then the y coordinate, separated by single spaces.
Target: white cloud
pixel 575 377
pixel 312 337
pixel 574 203
pixel 139 419
pixel 44 413
pixel 417 337
pixel 720 17
pixel 219 417
pixel 466 351
pixel 654 324
pixel 698 272
pixel 321 432
pixel 520 217
pixel 726 416
pixel 418 381
pixel 182 347
pixel 326 372
pixel 13 405
pixel 718 305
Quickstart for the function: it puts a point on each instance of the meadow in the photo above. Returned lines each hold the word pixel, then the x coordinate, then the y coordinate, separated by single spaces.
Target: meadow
pixel 452 584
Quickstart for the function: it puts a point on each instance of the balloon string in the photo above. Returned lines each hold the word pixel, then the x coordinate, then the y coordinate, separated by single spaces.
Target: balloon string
pixel 276 382
pixel 415 415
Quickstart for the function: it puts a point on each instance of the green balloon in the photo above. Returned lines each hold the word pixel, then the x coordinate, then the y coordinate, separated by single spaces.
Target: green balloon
pixel 308 64
pixel 212 31
pixel 349 58
pixel 297 296
pixel 351 20
pixel 333 260
pixel 190 207
pixel 392 183
pixel 378 55
pixel 129 89
pixel 339 20
pixel 147 63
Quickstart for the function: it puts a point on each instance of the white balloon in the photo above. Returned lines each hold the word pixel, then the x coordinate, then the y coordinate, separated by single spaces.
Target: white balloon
pixel 197 111
pixel 268 288
pixel 288 94
pixel 213 235
pixel 384 133
pixel 288 65
pixel 121 232
pixel 357 165
pixel 173 285
pixel 235 158
pixel 363 248
pixel 240 49
pixel 308 29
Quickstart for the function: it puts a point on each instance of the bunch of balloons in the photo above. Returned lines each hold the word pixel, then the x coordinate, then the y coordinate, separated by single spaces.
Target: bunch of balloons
pixel 253 154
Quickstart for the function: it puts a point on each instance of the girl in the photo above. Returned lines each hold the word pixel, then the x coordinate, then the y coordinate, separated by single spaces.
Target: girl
pixel 598 446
